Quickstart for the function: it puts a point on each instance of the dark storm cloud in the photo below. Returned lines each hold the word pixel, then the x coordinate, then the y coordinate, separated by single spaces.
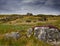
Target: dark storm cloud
pixel 55 4
pixel 24 6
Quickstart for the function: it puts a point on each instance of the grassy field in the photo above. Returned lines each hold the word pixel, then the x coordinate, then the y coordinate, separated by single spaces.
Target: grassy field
pixel 22 23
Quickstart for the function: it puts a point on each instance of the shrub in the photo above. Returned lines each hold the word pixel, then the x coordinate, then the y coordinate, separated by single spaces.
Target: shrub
pixel 28 21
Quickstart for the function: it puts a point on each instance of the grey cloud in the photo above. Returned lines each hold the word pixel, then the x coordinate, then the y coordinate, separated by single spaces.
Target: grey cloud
pixel 24 6
pixel 55 4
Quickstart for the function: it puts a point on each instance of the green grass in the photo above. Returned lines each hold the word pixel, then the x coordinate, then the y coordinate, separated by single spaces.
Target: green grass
pixel 24 41
pixel 7 28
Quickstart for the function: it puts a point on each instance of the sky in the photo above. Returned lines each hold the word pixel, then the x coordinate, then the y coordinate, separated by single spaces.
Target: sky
pixel 30 6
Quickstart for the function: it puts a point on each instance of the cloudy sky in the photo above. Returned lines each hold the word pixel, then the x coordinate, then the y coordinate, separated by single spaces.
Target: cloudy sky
pixel 31 6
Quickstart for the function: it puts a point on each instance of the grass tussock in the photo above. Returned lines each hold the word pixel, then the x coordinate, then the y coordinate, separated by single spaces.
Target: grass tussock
pixel 22 23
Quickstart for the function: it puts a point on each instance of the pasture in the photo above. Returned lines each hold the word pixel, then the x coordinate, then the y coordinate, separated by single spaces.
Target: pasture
pixel 22 23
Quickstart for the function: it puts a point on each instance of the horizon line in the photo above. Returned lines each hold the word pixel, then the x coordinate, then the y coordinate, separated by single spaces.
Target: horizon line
pixel 26 14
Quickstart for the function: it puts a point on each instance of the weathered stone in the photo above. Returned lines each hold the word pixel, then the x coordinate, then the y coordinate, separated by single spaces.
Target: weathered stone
pixel 29 32
pixel 45 33
pixel 14 35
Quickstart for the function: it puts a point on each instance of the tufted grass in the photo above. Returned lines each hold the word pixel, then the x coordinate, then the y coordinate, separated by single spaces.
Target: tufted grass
pixel 23 41
pixel 23 26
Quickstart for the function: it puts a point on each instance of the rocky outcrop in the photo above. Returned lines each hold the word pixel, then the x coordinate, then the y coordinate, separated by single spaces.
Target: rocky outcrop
pixel 13 35
pixel 29 32
pixel 49 34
